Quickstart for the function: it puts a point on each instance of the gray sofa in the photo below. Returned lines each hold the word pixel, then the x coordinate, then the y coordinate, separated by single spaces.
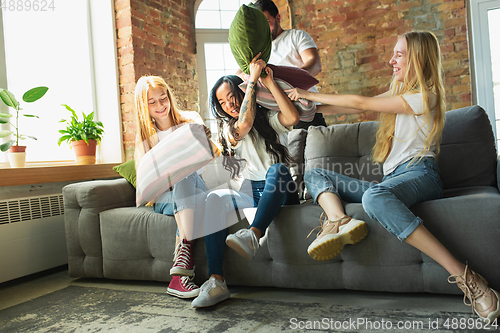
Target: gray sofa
pixel 108 237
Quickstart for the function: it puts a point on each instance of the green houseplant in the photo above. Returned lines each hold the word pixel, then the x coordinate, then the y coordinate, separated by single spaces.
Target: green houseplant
pixel 83 135
pixel 13 146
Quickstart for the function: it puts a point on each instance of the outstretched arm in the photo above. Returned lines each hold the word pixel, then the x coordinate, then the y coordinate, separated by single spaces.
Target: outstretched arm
pixel 356 103
pixel 289 115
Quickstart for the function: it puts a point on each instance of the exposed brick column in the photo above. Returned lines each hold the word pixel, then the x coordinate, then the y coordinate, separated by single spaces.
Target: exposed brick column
pixel 155 37
pixel 126 70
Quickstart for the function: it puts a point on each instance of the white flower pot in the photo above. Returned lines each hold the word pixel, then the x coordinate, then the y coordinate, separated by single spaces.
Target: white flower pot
pixel 17 160
pixel 17 156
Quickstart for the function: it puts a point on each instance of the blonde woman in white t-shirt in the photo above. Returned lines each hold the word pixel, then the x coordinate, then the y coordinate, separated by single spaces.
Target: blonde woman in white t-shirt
pixel 158 115
pixel 407 142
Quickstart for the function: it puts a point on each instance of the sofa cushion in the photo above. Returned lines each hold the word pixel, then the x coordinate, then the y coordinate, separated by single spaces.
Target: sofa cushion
pixel 468 154
pixel 296 146
pixel 344 149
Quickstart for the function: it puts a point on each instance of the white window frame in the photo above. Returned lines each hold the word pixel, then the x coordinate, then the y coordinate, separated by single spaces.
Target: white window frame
pixel 205 36
pixel 105 77
pixel 481 72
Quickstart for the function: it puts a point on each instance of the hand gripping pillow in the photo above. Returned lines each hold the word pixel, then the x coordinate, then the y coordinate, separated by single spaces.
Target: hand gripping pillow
pixel 249 34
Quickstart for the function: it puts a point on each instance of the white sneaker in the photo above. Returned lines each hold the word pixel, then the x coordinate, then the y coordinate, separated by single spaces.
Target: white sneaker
pixel 212 292
pixel 244 242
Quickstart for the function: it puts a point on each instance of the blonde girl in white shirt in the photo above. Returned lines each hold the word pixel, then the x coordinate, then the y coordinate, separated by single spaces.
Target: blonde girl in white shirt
pixel 407 142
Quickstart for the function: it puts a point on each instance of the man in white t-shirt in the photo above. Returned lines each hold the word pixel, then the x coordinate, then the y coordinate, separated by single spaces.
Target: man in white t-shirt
pixel 292 47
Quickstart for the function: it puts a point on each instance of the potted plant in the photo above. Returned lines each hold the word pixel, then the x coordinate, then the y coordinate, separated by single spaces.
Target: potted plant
pixel 83 136
pixel 17 153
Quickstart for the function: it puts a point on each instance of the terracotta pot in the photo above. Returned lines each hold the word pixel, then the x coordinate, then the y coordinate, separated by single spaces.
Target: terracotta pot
pixel 17 156
pixel 85 153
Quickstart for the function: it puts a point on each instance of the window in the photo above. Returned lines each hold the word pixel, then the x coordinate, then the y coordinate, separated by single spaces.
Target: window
pixel 214 57
pixel 56 47
pixel 485 24
pixel 217 14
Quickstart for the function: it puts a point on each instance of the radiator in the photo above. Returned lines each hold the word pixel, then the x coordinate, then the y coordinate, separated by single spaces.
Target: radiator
pixel 32 237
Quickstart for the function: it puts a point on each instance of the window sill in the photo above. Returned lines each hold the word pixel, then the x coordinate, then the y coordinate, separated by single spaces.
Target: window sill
pixel 40 173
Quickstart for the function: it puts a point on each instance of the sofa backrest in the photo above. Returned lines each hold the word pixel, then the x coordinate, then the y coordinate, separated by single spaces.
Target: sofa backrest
pixel 468 155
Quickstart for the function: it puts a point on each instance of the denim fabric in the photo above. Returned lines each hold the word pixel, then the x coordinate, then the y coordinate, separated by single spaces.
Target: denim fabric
pixel 184 196
pixel 189 193
pixel 387 202
pixel 268 196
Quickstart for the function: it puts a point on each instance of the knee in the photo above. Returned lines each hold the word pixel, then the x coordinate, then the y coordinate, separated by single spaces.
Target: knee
pixel 313 174
pixel 213 199
pixel 278 170
pixel 278 173
pixel 373 198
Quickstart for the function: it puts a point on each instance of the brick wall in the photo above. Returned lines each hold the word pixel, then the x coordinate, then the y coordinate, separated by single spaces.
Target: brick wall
pixel 355 39
pixel 155 38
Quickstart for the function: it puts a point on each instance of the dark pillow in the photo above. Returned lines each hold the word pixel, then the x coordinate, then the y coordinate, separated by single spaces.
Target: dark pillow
pixel 127 171
pixel 249 34
pixel 297 77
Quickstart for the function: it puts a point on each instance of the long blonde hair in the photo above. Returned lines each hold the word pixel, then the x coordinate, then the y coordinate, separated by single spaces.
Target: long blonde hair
pixel 423 75
pixel 147 128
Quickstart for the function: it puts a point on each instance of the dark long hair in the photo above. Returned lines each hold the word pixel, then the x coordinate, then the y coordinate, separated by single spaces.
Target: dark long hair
pixel 261 127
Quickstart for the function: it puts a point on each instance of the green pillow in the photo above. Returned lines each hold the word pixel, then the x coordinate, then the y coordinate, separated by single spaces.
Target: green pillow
pixel 249 34
pixel 127 171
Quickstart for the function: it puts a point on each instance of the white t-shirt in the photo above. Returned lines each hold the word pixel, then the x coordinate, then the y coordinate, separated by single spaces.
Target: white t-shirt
pixel 257 160
pixel 141 148
pixel 410 134
pixel 286 49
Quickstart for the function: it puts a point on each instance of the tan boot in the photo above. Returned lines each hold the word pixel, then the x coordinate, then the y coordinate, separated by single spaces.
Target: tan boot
pixel 484 300
pixel 333 235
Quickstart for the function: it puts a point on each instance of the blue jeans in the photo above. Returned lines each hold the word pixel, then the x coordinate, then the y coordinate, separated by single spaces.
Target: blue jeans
pixel 387 202
pixel 267 195
pixel 189 193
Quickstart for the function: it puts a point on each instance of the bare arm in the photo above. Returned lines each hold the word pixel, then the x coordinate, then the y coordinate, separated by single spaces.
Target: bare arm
pixel 248 107
pixel 312 61
pixel 289 115
pixel 394 104
pixel 334 109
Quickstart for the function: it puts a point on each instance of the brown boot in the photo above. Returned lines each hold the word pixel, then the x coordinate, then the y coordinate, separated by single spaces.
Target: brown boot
pixel 484 300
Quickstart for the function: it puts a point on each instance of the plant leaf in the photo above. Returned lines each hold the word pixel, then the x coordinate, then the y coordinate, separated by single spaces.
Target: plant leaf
pixel 5 115
pixel 72 111
pixel 4 134
pixel 64 138
pixel 5 146
pixel 3 121
pixel 30 116
pixel 34 94
pixel 31 137
pixel 9 99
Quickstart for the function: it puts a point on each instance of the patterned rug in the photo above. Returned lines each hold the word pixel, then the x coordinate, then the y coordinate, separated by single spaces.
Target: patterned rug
pixel 88 309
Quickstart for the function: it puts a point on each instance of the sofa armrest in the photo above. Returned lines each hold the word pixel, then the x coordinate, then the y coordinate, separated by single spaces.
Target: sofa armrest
pixel 498 172
pixel 83 202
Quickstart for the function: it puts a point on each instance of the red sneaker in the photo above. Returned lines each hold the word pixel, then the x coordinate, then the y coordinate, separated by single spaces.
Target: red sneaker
pixel 183 287
pixel 183 261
